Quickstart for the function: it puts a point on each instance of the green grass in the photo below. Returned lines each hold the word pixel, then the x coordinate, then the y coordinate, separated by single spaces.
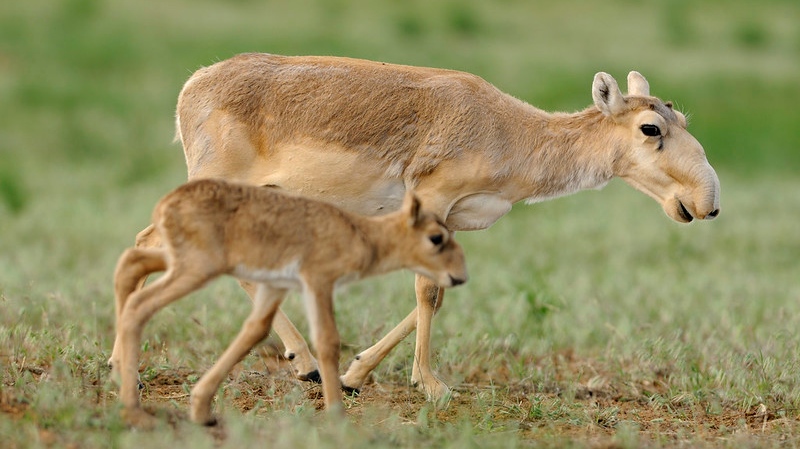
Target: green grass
pixel 591 320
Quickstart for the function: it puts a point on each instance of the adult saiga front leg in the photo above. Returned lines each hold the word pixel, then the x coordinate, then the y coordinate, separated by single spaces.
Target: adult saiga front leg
pixel 429 300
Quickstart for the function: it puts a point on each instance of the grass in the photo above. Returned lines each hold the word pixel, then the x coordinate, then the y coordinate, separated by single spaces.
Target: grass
pixel 590 321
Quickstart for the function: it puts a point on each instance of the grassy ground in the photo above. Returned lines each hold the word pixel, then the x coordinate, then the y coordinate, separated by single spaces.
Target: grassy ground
pixel 588 321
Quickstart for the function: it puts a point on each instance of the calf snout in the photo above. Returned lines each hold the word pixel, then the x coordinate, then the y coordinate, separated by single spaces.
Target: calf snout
pixel 454 281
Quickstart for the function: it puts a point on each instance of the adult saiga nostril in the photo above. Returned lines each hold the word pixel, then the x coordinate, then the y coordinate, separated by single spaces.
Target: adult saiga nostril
pixel 713 213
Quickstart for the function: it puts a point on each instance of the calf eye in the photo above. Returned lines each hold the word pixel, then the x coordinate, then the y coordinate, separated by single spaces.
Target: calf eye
pixel 436 239
pixel 650 130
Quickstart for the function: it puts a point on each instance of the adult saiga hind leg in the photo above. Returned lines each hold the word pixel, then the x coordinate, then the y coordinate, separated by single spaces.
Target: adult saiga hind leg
pixel 429 300
pixel 296 348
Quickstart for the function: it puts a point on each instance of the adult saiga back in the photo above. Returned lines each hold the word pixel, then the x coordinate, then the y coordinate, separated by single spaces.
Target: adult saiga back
pixel 359 134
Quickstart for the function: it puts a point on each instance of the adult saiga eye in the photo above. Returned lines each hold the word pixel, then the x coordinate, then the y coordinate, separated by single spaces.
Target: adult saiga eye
pixel 436 239
pixel 650 130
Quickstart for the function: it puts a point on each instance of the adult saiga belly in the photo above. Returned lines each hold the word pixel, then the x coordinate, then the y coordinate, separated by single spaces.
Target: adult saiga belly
pixel 370 186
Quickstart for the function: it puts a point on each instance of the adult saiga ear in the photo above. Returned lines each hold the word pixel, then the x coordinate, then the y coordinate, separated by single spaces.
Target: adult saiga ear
pixel 606 94
pixel 412 208
pixel 637 85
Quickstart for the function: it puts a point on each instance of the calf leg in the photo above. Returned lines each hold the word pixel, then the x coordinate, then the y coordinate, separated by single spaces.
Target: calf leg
pixel 141 261
pixel 266 301
pixel 319 305
pixel 138 309
pixel 132 268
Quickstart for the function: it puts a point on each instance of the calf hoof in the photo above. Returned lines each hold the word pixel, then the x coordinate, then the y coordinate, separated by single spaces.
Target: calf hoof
pixel 206 419
pixel 313 376
pixel 137 418
pixel 210 422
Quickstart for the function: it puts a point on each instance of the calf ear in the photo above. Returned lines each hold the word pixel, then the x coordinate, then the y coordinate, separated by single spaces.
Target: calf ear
pixel 637 85
pixel 411 207
pixel 606 94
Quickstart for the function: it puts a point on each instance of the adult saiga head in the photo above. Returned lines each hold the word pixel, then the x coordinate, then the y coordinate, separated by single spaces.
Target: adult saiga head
pixel 656 154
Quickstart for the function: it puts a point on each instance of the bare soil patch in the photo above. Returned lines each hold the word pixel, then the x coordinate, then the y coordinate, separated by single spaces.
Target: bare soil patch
pixel 587 401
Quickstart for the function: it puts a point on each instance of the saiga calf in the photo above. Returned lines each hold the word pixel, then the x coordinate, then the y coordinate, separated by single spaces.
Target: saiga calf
pixel 277 241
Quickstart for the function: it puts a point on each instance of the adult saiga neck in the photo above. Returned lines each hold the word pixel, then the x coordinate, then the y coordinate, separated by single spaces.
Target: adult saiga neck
pixel 560 153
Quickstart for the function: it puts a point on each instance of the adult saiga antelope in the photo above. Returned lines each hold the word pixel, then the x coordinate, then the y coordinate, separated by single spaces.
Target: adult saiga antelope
pixel 359 133
pixel 278 241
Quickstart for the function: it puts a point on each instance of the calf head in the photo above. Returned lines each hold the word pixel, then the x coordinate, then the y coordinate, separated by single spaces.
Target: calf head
pixel 428 246
pixel 654 152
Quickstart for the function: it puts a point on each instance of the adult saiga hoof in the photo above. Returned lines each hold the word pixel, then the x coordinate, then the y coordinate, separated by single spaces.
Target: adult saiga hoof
pixel 350 391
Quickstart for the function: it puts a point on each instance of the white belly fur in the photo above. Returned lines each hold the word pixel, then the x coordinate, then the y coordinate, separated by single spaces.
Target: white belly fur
pixel 287 276
pixel 477 211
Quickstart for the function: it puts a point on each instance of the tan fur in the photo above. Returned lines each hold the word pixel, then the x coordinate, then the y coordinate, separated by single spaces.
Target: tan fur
pixel 278 242
pixel 359 133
